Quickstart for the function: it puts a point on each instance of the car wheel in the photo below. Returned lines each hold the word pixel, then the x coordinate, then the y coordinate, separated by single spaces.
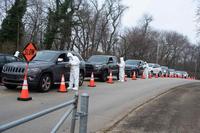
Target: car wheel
pixel 159 74
pixel 10 86
pixel 129 74
pixel 104 76
pixel 136 74
pixel 45 83
pixel 152 73
pixel 81 78
pixel 117 76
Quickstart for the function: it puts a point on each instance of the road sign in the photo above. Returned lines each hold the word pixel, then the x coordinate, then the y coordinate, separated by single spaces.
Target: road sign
pixel 29 51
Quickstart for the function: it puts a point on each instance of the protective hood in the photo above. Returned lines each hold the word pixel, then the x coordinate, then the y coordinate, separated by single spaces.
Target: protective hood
pixel 16 54
pixel 121 60
pixel 69 55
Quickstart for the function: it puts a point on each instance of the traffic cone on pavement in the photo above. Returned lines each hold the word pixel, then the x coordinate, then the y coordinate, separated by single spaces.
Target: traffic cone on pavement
pixel 125 77
pixel 24 96
pixel 150 77
pixel 143 76
pixel 62 85
pixel 110 78
pixel 134 76
pixel 156 75
pixel 92 83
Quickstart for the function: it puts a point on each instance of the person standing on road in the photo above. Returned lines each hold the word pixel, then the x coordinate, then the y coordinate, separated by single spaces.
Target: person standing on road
pixel 146 70
pixel 121 69
pixel 17 54
pixel 74 71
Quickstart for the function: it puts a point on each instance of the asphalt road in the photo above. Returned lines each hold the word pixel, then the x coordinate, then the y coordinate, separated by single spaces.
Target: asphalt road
pixel 176 111
pixel 108 103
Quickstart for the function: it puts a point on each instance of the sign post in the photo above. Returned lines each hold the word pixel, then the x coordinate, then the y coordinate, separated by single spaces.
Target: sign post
pixel 29 53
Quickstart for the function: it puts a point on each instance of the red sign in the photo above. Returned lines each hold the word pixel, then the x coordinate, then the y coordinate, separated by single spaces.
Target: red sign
pixel 29 51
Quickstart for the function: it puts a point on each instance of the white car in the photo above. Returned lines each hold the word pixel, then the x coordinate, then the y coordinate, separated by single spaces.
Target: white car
pixel 185 74
pixel 155 69
pixel 172 72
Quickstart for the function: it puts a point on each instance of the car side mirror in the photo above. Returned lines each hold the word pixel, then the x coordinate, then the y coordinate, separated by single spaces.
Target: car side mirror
pixel 60 60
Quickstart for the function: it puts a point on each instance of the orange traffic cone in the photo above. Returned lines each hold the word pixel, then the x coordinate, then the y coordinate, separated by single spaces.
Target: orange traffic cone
pixel 125 77
pixel 24 96
pixel 110 78
pixel 143 76
pixel 150 77
pixel 62 85
pixel 92 84
pixel 156 75
pixel 134 76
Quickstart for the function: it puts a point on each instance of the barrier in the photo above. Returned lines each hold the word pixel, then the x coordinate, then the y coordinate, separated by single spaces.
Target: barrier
pixel 83 114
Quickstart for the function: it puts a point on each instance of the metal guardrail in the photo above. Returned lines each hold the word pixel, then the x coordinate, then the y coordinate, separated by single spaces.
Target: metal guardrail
pixel 83 115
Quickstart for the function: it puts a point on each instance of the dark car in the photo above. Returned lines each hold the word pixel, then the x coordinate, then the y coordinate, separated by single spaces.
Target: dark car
pixel 165 70
pixel 6 58
pixel 134 65
pixel 44 71
pixel 172 72
pixel 101 65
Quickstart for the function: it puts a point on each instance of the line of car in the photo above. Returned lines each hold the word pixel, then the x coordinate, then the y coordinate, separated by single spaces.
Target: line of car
pixel 46 68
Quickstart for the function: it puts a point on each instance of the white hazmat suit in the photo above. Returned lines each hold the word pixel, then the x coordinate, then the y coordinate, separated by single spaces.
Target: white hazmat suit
pixel 74 71
pixel 16 54
pixel 121 69
pixel 146 70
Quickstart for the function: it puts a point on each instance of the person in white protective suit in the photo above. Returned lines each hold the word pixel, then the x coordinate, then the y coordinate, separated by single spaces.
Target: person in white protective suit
pixel 74 71
pixel 16 54
pixel 121 69
pixel 146 70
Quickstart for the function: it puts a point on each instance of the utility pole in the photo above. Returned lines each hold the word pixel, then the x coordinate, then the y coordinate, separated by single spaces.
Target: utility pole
pixel 157 53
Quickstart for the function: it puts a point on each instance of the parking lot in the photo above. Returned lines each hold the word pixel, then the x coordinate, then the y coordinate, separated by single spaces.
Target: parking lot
pixel 108 103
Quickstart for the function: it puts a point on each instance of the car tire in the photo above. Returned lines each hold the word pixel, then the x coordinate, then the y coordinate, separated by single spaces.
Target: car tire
pixel 118 76
pixel 10 86
pixel 81 78
pixel 151 73
pixel 104 76
pixel 159 74
pixel 45 83
pixel 129 74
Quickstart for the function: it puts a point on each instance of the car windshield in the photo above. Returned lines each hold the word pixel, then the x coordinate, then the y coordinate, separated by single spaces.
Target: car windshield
pixel 171 70
pixel 151 65
pixel 163 67
pixel 179 72
pixel 98 59
pixel 132 62
pixel 45 56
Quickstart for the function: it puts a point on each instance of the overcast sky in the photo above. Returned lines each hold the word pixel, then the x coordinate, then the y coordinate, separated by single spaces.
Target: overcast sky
pixel 176 15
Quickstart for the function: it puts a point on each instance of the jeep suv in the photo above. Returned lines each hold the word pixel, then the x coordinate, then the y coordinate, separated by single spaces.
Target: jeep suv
pixel 44 70
pixel 6 58
pixel 134 65
pixel 101 65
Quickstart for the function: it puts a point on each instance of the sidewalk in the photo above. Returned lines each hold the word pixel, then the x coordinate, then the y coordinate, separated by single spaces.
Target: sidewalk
pixel 177 111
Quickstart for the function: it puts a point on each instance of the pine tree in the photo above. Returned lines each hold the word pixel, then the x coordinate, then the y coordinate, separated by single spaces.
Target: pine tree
pixel 59 23
pixel 12 26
